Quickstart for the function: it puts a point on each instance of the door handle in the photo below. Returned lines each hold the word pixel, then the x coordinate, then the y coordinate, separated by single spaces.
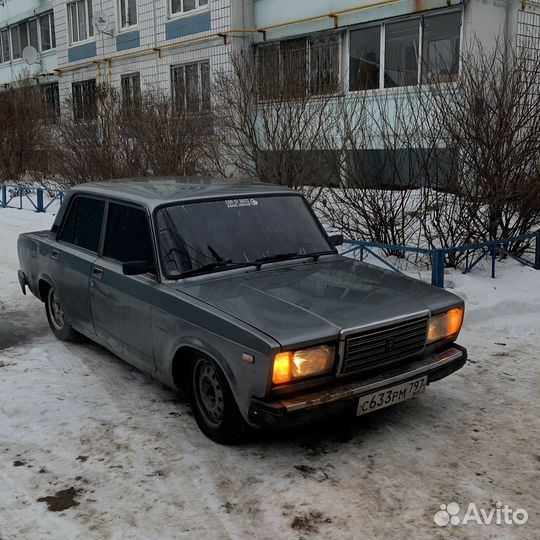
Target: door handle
pixel 97 272
pixel 54 254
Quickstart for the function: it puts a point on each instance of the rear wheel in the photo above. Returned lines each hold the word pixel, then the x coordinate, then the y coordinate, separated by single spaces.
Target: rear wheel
pixel 214 406
pixel 55 315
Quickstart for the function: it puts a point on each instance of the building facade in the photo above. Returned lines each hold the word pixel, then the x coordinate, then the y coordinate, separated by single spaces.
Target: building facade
pixel 179 45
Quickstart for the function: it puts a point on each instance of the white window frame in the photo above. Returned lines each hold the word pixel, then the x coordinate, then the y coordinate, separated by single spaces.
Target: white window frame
pixel 183 13
pixel 49 15
pixel 89 23
pixel 382 46
pixel 38 32
pixel 128 26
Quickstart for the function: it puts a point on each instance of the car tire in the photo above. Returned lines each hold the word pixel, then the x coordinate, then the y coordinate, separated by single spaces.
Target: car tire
pixel 55 315
pixel 213 403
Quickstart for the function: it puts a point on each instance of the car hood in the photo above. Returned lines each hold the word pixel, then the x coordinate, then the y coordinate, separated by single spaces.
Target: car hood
pixel 311 302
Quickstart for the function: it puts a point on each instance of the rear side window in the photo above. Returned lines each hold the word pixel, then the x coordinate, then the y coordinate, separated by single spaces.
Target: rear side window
pixel 128 235
pixel 83 223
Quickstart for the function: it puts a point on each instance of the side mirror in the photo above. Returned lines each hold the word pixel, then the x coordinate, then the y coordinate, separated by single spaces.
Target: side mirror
pixel 336 240
pixel 135 268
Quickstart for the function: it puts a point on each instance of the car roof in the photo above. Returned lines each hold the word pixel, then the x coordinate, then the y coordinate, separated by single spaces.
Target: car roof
pixel 156 191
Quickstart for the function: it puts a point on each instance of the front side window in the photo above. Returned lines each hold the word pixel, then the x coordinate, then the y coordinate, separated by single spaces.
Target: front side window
pixel 80 15
pixel 191 86
pixel 236 231
pixel 440 48
pixel 401 53
pixel 83 224
pixel 128 13
pixel 365 58
pixel 84 99
pixel 185 6
pixel 128 235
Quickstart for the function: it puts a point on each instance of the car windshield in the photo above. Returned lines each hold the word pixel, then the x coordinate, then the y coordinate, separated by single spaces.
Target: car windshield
pixel 221 233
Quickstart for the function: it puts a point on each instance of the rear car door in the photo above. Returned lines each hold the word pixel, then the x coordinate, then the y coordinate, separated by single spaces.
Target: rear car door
pixel 121 305
pixel 72 258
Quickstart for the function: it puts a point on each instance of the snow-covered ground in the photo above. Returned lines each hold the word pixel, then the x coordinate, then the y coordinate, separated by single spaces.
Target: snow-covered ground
pixel 90 448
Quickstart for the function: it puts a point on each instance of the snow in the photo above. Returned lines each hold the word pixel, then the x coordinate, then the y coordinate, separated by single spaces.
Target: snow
pixel 74 416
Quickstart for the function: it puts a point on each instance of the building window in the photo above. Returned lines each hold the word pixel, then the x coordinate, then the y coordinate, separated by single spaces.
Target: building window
pixel 184 6
pixel 46 31
pixel 440 47
pixel 4 46
pixel 404 62
pixel 51 101
pixel 401 53
pixel 324 64
pixel 33 33
pixel 131 91
pixel 128 13
pixel 191 86
pixel 365 58
pixel 303 66
pixel 84 98
pixel 80 20
pixel 15 43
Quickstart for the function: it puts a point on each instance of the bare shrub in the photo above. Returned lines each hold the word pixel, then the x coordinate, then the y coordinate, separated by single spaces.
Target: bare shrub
pixel 491 119
pixel 25 136
pixel 274 125
pixel 106 138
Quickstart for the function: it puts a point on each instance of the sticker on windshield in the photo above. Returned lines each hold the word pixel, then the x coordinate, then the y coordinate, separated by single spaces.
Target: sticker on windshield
pixel 236 203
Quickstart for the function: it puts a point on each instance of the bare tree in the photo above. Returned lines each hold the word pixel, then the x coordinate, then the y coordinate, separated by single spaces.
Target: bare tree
pixel 273 120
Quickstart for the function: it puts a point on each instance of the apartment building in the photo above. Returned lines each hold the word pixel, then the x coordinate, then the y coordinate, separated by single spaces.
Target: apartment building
pixel 30 25
pixel 179 45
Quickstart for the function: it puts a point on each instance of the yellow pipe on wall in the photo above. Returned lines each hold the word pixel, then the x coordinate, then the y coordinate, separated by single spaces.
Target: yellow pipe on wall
pixel 334 15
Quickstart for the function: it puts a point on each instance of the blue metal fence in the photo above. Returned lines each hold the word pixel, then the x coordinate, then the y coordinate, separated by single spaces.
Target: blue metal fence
pixel 13 196
pixel 438 256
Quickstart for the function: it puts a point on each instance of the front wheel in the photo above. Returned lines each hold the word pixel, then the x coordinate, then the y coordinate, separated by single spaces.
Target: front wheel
pixel 55 315
pixel 213 403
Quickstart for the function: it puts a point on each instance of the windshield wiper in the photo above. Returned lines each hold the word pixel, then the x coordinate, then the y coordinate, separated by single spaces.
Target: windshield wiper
pixel 290 256
pixel 277 257
pixel 210 267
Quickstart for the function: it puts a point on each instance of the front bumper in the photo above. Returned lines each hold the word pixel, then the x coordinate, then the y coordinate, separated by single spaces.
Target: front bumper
pixel 306 407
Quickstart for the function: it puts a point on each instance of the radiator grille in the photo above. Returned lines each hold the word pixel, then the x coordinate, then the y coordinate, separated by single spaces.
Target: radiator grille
pixel 375 347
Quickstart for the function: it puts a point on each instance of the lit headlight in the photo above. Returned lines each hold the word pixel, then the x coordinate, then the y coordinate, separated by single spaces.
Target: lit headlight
pixel 289 366
pixel 445 325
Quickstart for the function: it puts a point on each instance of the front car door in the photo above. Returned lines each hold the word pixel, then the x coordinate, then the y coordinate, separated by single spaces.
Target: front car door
pixel 72 258
pixel 121 305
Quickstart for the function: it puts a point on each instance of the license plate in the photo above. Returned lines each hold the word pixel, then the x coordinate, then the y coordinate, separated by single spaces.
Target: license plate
pixel 389 396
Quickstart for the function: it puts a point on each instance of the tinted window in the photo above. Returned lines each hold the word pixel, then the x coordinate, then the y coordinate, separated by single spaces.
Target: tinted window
pixel 128 235
pixel 236 230
pixel 83 224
